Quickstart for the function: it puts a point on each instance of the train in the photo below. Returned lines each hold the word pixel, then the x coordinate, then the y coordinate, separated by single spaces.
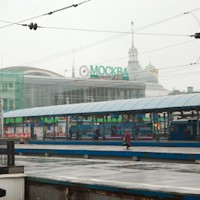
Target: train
pixel 183 129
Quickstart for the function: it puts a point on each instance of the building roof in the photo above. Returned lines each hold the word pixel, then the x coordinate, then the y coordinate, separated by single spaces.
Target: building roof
pixel 132 50
pixel 32 71
pixel 150 67
pixel 152 104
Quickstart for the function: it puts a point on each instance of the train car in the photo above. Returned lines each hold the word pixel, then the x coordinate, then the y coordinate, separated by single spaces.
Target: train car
pixel 183 129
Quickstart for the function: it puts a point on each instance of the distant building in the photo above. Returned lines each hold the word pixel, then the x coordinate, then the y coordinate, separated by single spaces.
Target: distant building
pixel 149 75
pixel 190 90
pixel 26 87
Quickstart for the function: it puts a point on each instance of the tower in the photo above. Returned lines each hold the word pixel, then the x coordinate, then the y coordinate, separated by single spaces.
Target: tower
pixel 134 69
pixel 133 52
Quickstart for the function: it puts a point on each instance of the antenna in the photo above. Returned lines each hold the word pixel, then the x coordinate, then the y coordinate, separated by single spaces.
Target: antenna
pixel 132 34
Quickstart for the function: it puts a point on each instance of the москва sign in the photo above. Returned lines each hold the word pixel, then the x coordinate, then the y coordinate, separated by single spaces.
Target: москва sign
pixel 102 71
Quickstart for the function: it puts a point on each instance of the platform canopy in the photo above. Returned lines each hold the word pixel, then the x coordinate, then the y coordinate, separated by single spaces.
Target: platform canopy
pixel 141 105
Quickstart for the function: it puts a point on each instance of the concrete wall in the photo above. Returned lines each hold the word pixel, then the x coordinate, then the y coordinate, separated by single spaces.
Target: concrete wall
pixel 14 186
pixel 42 191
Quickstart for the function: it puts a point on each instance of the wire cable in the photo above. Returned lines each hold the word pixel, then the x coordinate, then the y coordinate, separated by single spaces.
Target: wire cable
pixel 194 17
pixel 167 19
pixel 146 52
pixel 54 56
pixel 101 31
pixel 89 45
pixel 49 13
pixel 108 31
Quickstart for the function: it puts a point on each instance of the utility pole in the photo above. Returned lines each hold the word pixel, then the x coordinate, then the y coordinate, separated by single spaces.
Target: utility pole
pixel 73 65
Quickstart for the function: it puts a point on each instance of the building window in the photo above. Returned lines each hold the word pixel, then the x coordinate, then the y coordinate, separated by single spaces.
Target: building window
pixel 5 88
pixel 10 85
pixel 11 104
pixel 5 104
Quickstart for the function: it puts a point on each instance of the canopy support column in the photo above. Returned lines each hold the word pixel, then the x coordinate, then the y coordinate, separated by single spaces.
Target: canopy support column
pixel 165 133
pixel 54 127
pixel 67 127
pixel 103 129
pixel 44 128
pixel 93 124
pixel 168 125
pixel 77 126
pixel 15 127
pixel 198 133
pixel 134 131
pixel 23 124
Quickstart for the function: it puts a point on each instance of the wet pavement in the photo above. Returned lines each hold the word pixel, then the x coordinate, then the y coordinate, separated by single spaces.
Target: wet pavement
pixel 154 176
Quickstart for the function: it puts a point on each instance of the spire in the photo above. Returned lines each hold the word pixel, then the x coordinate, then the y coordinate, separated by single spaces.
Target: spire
pixel 132 51
pixel 132 34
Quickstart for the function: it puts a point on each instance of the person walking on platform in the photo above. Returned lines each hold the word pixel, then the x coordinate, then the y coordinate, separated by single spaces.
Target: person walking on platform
pixel 127 139
pixel 96 135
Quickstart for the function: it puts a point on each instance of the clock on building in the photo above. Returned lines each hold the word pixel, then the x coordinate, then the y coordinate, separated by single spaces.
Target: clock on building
pixel 84 71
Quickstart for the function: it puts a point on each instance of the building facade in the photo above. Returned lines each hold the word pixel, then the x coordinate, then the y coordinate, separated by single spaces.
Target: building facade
pixel 148 75
pixel 36 87
pixel 26 87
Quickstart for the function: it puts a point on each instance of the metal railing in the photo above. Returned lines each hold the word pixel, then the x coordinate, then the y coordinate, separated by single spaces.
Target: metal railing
pixel 7 150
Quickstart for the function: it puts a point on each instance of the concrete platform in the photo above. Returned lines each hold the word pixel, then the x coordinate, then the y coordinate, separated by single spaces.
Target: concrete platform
pixel 136 152
pixel 148 179
pixel 118 142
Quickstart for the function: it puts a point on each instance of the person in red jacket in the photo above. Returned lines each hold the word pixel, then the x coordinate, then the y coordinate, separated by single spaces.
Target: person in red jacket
pixel 127 139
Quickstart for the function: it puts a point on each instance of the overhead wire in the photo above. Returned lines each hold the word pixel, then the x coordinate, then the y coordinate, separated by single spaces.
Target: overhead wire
pixel 164 68
pixel 54 56
pixel 108 31
pixel 87 46
pixel 75 5
pixel 98 42
pixel 144 27
pixel 167 19
pixel 45 14
pixel 149 51
pixel 103 31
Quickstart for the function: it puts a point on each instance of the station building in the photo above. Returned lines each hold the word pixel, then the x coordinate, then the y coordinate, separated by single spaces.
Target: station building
pixel 26 87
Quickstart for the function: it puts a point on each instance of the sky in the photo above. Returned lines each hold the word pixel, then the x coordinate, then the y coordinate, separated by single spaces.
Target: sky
pixel 98 32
